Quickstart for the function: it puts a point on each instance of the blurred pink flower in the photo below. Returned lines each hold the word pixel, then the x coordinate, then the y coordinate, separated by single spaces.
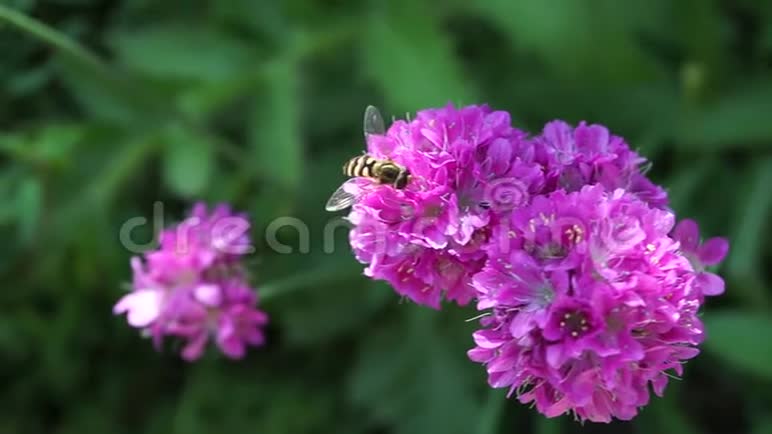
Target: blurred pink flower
pixel 193 286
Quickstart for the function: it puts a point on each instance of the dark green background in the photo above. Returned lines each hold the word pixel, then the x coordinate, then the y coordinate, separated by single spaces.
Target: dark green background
pixel 258 103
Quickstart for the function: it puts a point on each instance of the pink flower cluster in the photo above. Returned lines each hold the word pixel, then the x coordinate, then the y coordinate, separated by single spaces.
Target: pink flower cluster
pixel 468 167
pixel 589 294
pixel 194 287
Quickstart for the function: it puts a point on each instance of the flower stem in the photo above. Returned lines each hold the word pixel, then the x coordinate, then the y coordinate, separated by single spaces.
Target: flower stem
pixel 491 414
pixel 52 37
pixel 321 275
pixel 547 426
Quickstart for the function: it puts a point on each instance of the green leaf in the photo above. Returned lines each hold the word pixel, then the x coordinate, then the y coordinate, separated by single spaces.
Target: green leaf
pixel 188 161
pixel 345 300
pixel 741 339
pixel 739 119
pixel 108 98
pixel 763 426
pixel 418 363
pixel 755 207
pixel 410 58
pixel 574 40
pixel 665 414
pixel 277 147
pixel 29 203
pixel 685 184
pixel 189 52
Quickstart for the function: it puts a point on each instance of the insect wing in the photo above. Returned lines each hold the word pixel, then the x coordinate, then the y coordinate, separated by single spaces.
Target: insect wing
pixel 373 123
pixel 343 197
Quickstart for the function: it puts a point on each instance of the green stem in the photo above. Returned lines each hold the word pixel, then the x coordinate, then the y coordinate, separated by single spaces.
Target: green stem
pixel 546 425
pixel 52 37
pixel 319 276
pixel 491 414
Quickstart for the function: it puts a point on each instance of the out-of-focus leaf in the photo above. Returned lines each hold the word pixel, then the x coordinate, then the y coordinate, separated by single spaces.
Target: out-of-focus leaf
pixel 391 384
pixel 276 410
pixel 547 426
pixel 752 216
pixel 29 205
pixel 22 5
pixel 30 82
pixel 277 147
pixel 763 426
pixel 575 40
pixel 110 99
pixel 48 145
pixel 741 339
pixel 702 32
pixel 262 18
pixel 685 182
pixel 343 299
pixel 737 120
pixel 188 161
pixel 127 158
pixel 410 58
pixel 173 51
pixel 665 414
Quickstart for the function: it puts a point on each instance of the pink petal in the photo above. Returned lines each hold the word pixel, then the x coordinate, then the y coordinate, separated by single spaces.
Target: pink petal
pixel 710 284
pixel 502 379
pixel 208 295
pixel 521 324
pixel 143 307
pixel 688 234
pixel 480 355
pixel 713 251
pixel 592 138
pixel 229 341
pixel 487 339
pixel 195 347
pixel 500 153
pixel 555 355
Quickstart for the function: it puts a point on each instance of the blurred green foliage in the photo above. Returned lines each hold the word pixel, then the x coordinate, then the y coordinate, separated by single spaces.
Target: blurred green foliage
pixel 257 103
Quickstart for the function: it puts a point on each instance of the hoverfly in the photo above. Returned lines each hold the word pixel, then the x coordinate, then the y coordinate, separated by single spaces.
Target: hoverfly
pixel 380 171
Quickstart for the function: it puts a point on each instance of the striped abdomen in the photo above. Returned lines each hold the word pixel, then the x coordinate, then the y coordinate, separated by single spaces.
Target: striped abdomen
pixel 363 165
pixel 383 171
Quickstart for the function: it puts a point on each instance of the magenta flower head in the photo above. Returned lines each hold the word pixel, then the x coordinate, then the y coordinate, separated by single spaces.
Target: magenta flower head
pixel 711 252
pixel 468 167
pixel 591 302
pixel 590 154
pixel 195 288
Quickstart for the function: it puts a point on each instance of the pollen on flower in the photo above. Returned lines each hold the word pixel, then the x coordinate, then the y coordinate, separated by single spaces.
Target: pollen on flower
pixel 574 323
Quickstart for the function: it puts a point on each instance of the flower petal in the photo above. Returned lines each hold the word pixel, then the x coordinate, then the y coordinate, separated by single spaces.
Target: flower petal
pixel 143 307
pixel 710 284
pixel 713 251
pixel 208 294
pixel 688 234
